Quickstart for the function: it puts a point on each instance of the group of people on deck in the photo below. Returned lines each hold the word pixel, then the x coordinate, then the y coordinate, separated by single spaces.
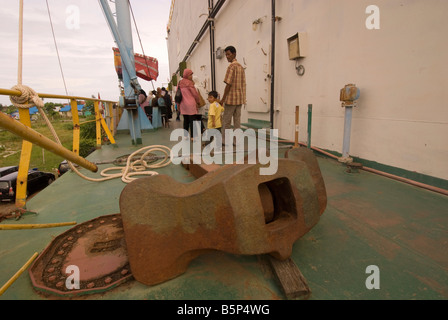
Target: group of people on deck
pixel 157 99
pixel 221 110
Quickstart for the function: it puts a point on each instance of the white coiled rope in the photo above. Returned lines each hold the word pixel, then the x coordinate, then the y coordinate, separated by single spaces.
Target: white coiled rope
pixel 133 168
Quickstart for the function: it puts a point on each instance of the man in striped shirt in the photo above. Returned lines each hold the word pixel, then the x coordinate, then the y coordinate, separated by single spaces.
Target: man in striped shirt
pixel 235 92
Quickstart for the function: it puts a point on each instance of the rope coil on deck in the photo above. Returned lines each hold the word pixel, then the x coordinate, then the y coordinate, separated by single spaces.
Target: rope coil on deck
pixel 133 168
pixel 136 168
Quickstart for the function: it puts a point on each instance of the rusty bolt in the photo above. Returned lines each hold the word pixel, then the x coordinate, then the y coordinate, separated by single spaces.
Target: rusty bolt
pixel 124 271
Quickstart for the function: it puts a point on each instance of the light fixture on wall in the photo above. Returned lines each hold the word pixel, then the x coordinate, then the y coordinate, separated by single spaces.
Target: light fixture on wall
pixel 219 53
pixel 298 49
pixel 300 69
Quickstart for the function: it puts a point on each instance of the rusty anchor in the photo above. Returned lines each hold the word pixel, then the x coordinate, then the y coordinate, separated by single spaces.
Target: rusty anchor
pixel 233 209
pixel 307 156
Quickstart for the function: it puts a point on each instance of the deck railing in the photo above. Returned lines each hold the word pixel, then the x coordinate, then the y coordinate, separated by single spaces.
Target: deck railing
pixel 23 129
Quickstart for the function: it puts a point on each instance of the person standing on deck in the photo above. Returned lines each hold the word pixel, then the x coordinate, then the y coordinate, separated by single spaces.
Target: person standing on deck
pixel 143 100
pixel 201 106
pixel 148 107
pixel 190 100
pixel 215 111
pixel 162 108
pixel 235 92
pixel 168 102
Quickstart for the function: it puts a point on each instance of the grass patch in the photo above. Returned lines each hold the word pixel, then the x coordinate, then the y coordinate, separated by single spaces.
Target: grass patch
pixel 40 158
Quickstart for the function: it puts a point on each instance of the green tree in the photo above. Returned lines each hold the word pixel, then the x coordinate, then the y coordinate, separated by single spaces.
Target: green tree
pixel 10 109
pixel 89 106
pixel 49 108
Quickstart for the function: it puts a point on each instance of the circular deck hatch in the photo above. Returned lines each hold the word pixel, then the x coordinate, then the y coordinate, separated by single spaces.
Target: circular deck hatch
pixel 88 258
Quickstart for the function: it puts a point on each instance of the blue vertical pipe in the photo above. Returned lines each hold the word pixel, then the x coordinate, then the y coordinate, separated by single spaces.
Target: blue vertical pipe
pixel 127 60
pixel 347 131
pixel 132 119
pixel 129 73
pixel 125 31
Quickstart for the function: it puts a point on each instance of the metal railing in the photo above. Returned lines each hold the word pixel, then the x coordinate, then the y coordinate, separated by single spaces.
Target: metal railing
pixel 30 136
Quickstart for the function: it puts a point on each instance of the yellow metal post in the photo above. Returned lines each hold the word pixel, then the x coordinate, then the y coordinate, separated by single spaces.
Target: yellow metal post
pixel 25 156
pixel 111 117
pixel 106 129
pixel 35 226
pixel 76 126
pixel 35 137
pixel 98 124
pixel 17 274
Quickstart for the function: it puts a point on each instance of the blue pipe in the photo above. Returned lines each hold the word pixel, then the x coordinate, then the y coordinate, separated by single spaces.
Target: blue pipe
pixel 347 132
pixel 122 33
pixel 122 38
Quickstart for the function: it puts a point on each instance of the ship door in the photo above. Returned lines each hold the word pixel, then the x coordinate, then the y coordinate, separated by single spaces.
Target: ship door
pixel 258 78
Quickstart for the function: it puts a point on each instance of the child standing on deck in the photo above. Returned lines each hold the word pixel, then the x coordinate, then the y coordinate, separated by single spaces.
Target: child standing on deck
pixel 215 111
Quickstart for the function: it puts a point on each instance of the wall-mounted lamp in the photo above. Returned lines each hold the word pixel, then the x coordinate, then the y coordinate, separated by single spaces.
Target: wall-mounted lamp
pixel 219 53
pixel 300 69
pixel 297 49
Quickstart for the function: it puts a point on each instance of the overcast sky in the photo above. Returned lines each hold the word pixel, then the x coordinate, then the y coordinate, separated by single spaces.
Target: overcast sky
pixel 85 48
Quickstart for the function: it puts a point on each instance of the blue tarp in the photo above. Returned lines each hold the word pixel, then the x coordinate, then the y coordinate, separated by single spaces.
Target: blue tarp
pixel 33 110
pixel 68 108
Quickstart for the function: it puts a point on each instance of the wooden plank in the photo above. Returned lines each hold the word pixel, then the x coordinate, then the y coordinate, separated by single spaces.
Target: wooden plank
pixel 293 282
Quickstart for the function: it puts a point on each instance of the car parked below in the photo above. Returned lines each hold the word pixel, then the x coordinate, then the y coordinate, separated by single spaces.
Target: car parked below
pixel 63 168
pixel 37 180
pixel 7 170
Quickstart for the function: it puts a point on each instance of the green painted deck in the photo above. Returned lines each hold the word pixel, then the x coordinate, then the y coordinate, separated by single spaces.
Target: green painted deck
pixel 369 220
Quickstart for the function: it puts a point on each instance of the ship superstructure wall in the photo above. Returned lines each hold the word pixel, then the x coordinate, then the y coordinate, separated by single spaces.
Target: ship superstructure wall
pixel 394 51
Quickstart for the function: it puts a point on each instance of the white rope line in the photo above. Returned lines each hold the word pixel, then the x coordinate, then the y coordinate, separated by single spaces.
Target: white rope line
pixel 28 95
pixel 136 168
pixel 56 46
pixel 23 100
pixel 133 168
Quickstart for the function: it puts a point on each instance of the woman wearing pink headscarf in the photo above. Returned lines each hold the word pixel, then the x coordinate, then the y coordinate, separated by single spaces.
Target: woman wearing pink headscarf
pixel 190 99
